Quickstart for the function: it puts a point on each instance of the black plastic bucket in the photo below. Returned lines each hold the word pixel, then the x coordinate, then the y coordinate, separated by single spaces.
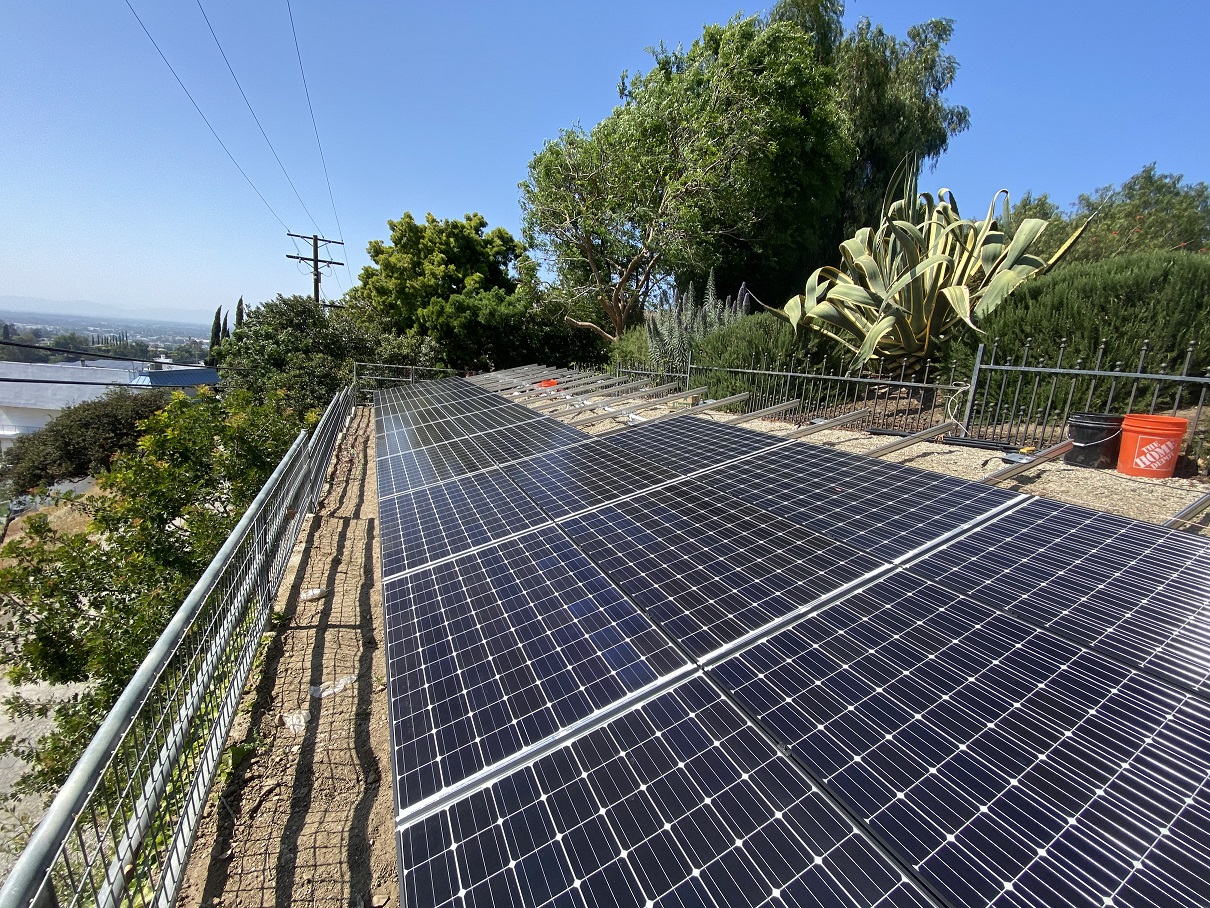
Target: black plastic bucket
pixel 1097 437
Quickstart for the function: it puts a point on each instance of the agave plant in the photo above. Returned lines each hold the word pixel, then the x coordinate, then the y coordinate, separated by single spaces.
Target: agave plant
pixel 904 288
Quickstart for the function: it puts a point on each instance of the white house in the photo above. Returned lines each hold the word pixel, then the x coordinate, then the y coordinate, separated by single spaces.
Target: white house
pixel 32 394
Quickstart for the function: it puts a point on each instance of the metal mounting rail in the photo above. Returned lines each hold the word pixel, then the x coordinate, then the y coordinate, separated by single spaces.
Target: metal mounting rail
pixel 1036 460
pixel 907 441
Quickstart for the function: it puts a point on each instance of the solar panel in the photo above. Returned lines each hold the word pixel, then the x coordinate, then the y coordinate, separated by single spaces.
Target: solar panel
pixel 1135 592
pixel 584 476
pixel 1015 715
pixel 497 649
pixel 679 802
pixel 535 437
pixel 1004 763
pixel 886 509
pixel 688 444
pixel 444 519
pixel 710 570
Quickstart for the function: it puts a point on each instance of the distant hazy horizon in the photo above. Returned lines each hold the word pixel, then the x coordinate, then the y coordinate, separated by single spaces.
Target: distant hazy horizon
pixel 87 309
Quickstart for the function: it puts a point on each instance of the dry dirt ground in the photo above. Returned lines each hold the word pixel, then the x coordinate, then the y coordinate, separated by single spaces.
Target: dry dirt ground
pixel 306 817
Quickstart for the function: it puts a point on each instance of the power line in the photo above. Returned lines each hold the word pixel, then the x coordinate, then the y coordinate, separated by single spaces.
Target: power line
pixel 89 354
pixel 255 117
pixel 315 126
pixel 203 116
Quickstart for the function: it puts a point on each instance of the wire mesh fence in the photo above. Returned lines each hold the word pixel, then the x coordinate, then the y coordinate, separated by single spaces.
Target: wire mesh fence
pixel 120 830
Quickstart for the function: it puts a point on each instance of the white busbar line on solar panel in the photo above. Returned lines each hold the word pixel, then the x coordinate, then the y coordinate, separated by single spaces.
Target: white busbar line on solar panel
pixel 490 774
pixel 635 408
pixel 902 563
pixel 696 408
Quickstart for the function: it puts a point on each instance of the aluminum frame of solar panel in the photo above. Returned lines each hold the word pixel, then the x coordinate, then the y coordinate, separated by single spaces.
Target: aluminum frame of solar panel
pixel 679 802
pixel 494 650
pixel 1009 766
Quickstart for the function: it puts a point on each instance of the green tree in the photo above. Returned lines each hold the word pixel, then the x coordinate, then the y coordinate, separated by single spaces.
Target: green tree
pixel 712 158
pixel 72 340
pixel 427 263
pixel 85 607
pixel 216 336
pixel 239 314
pixel 81 440
pixel 291 345
pixel 1150 212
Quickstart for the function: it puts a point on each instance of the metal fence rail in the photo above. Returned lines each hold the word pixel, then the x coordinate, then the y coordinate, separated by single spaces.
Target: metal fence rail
pixel 120 830
pixel 1002 403
pixel 379 376
pixel 894 401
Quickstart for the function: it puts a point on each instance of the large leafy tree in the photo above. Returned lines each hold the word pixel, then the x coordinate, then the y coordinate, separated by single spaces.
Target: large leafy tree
pixel 715 156
pixel 1150 212
pixel 292 345
pixel 81 440
pixel 425 263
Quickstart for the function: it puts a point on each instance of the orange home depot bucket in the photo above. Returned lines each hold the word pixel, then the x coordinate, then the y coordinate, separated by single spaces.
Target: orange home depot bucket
pixel 548 383
pixel 1151 445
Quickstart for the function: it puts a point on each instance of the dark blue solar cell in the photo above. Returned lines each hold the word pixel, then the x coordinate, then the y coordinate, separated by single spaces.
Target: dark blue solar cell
pixel 445 519
pixel 584 476
pixel 1135 592
pixel 885 509
pixel 977 783
pixel 728 823
pixel 688 444
pixel 497 649
pixel 710 570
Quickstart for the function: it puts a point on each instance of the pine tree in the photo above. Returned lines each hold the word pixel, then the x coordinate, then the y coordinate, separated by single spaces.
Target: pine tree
pixel 226 331
pixel 239 313
pixel 216 336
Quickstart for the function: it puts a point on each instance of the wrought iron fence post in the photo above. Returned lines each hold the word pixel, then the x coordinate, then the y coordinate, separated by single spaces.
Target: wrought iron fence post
pixel 970 396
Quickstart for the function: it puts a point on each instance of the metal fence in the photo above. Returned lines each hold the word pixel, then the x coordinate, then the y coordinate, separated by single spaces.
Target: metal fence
pixel 1018 403
pixel 368 377
pixel 120 830
pixel 895 402
pixel 1002 402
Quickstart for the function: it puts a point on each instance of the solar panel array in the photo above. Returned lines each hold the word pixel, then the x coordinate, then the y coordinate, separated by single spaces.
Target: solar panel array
pixel 691 664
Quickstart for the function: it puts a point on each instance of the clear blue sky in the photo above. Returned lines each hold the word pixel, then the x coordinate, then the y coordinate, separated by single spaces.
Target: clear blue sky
pixel 113 189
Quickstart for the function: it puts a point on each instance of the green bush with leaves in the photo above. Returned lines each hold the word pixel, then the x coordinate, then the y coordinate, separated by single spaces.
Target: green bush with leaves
pixel 81 440
pixel 85 607
pixel 673 329
pixel 1163 297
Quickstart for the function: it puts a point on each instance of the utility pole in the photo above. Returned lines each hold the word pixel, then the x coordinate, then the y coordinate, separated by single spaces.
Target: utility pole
pixel 314 258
